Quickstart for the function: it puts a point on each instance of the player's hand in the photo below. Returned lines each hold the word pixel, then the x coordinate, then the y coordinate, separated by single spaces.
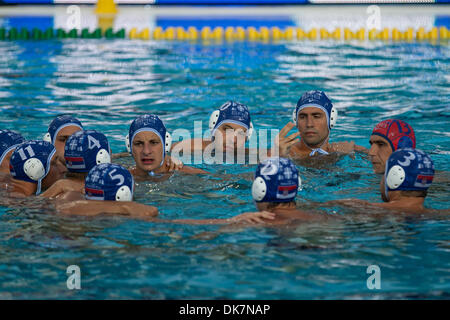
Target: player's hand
pixel 284 143
pixel 173 164
pixel 61 187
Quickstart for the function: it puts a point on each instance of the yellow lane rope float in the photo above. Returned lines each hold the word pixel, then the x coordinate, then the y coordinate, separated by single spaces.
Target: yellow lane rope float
pixel 263 34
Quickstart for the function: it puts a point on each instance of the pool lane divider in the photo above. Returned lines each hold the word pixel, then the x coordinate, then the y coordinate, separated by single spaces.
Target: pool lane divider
pixel 230 34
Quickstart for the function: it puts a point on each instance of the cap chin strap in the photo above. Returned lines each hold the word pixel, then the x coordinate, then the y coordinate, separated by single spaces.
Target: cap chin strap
pixel 47 137
pixel 319 149
pixel 3 156
pixel 386 194
pixel 39 187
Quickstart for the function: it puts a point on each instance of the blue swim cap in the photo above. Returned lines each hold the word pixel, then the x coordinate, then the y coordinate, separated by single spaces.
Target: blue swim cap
pixel 109 181
pixel 30 161
pixel 317 99
pixel 276 180
pixel 231 112
pixel 9 140
pixel 86 149
pixel 408 169
pixel 151 123
pixel 59 123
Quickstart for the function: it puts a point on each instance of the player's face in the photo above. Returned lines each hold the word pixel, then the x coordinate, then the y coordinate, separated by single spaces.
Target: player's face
pixel 230 137
pixel 61 138
pixel 4 166
pixel 147 150
pixel 379 153
pixel 56 172
pixel 312 125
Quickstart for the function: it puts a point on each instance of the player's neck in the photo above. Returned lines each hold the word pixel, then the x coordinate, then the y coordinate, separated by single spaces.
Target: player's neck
pixel 284 207
pixel 324 145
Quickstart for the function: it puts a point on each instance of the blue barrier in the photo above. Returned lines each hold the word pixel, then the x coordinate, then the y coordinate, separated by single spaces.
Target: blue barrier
pixel 29 22
pixel 27 1
pixel 242 21
pixel 228 2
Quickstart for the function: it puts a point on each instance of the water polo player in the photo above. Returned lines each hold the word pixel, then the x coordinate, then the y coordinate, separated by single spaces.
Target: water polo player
pixel 387 137
pixel 314 117
pixel 149 142
pixel 83 150
pixel 230 127
pixel 404 186
pixel 108 189
pixel 34 166
pixel 59 130
pixel 9 140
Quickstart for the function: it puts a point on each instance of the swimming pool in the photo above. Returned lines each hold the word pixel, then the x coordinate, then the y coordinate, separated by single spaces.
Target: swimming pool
pixel 107 83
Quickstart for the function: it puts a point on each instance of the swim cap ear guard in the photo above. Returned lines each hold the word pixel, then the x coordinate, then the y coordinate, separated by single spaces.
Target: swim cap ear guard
pixel 34 169
pixel 395 177
pixel 409 170
pixel 250 131
pixel 124 194
pixel 47 137
pixel 333 117
pixel 103 156
pixel 127 143
pixel 168 142
pixel 213 119
pixel 259 188
pixel 276 180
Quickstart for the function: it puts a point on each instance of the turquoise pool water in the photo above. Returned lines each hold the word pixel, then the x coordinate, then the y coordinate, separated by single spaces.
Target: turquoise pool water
pixel 108 83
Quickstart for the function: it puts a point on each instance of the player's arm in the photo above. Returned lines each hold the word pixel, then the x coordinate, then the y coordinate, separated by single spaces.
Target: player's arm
pixel 192 170
pixel 120 155
pixel 361 149
pixel 347 147
pixel 61 187
pixel 174 164
pixel 248 217
pixel 94 208
pixel 189 144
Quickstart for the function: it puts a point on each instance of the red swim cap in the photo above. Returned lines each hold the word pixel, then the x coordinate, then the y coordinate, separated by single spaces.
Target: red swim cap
pixel 399 134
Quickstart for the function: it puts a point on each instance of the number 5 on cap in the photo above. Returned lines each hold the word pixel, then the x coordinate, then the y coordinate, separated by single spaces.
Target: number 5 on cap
pixel 117 176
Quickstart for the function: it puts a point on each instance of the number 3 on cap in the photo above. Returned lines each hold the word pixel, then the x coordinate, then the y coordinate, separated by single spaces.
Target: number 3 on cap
pixel 117 176
pixel 408 160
